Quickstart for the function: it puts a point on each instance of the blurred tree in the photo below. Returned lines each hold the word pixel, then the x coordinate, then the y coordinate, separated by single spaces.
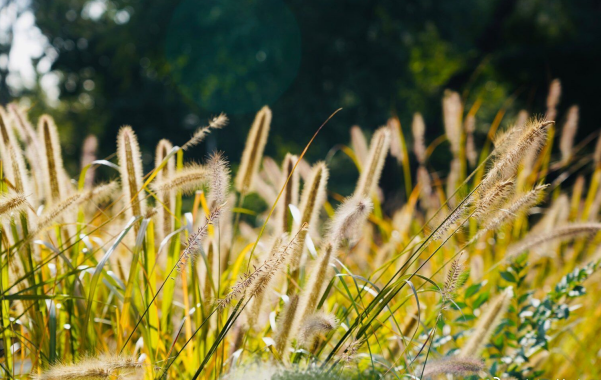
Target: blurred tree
pixel 165 66
pixel 10 11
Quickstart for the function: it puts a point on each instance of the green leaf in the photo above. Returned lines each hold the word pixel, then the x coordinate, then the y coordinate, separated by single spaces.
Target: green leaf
pixel 483 297
pixel 472 289
pixel 507 276
pixel 98 271
pixel 523 298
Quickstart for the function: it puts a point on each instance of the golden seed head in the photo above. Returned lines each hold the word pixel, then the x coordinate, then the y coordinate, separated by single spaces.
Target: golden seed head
pixel 349 219
pixel 217 122
pixel 453 366
pixel 452 112
pixel 372 170
pixel 187 180
pixel 100 367
pixel 553 99
pixel 253 151
pixel 418 127
pixel 315 325
pixel 52 159
pixel 359 144
pixel 130 164
pixel 166 199
pixel 12 204
pixel 290 184
pixel 568 134
pixel 218 171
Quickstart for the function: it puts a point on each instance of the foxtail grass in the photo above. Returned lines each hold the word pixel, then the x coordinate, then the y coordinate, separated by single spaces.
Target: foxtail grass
pixel 52 159
pixel 370 175
pixel 253 151
pixel 130 164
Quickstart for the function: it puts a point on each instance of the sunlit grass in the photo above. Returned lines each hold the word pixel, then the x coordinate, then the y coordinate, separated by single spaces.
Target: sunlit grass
pixel 480 271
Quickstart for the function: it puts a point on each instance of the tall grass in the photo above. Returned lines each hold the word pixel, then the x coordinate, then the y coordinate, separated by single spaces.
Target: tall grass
pixel 475 272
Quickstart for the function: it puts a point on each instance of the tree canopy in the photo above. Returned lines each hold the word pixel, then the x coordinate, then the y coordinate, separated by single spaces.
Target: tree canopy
pixel 166 66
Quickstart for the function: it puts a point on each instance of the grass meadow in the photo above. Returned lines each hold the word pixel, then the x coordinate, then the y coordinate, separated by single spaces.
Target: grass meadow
pixel 488 268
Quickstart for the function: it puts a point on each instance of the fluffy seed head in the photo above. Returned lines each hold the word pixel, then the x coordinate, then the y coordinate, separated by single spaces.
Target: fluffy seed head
pixel 314 326
pixel 423 178
pixel 370 174
pixel 492 198
pixel 273 265
pixel 287 319
pixel 568 134
pixel 60 208
pixel 12 204
pixel 161 152
pixel 23 127
pixel 265 190
pixel 88 155
pixel 255 282
pixel 191 178
pixel 32 146
pixel 517 206
pixel 313 197
pixel 102 192
pixel 396 140
pixel 522 118
pixel 470 144
pixel 418 127
pixel 317 282
pixel 217 122
pixel 562 233
pixel 532 138
pixel 290 193
pixel 349 351
pixel 359 144
pixel 130 164
pixel 101 367
pixel 454 366
pixel 504 140
pixel 167 197
pixel 263 282
pixel 452 280
pixel 218 171
pixel 272 172
pixel 453 180
pixel 512 209
pixel 314 193
pixel 553 99
pixel 349 219
pixel 52 160
pixel 253 151
pixel 452 110
pixel 194 241
pixel 450 220
pixel 13 167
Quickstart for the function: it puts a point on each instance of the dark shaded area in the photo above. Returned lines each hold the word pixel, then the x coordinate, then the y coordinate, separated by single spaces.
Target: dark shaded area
pixel 152 66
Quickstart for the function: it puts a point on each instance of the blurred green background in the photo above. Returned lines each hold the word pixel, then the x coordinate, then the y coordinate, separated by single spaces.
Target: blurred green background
pixel 166 66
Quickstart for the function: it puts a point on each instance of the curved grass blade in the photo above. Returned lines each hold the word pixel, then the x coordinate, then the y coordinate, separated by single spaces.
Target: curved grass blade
pixel 96 277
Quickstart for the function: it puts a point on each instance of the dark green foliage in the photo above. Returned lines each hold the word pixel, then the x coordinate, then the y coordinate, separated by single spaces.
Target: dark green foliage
pixel 530 324
pixel 372 58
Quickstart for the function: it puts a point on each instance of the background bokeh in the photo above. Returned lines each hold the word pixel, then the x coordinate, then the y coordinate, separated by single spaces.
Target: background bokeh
pixel 166 66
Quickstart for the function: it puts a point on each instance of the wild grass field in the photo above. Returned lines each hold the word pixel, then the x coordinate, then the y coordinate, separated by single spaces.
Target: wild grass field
pixel 487 268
